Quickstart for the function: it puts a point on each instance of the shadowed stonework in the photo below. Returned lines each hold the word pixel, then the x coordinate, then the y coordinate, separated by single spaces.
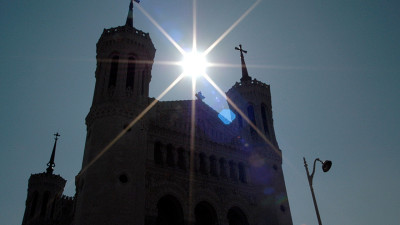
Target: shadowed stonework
pixel 154 174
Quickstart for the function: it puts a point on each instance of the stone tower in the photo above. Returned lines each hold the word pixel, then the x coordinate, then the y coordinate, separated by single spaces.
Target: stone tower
pixel 253 99
pixel 250 99
pixel 44 194
pixel 110 187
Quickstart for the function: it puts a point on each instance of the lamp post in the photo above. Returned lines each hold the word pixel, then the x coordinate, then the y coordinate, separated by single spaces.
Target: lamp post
pixel 325 167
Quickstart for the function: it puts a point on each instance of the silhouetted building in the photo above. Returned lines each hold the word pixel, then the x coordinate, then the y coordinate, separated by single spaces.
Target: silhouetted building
pixel 158 172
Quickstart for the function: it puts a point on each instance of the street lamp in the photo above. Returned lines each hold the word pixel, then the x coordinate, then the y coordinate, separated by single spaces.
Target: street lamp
pixel 325 167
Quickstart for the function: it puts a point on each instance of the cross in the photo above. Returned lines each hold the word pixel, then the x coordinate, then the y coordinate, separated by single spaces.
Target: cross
pixel 56 136
pixel 241 50
pixel 200 96
pixel 245 74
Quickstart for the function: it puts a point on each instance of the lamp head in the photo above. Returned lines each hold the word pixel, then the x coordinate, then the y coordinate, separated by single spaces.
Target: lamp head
pixel 326 165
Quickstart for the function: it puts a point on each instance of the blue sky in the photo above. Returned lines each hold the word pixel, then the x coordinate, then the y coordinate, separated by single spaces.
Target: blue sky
pixel 333 67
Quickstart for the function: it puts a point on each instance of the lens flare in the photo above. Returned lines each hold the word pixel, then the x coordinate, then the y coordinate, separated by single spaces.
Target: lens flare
pixel 194 64
pixel 226 116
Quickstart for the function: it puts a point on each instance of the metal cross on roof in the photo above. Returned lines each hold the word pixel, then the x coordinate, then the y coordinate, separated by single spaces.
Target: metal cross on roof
pixel 245 74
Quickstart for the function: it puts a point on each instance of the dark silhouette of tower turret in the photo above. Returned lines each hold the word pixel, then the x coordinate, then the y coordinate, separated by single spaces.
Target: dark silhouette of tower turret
pixel 44 193
pixel 253 98
pixel 256 132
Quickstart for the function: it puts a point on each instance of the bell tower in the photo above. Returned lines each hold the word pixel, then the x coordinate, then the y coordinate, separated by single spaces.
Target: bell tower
pixel 113 167
pixel 44 191
pixel 253 98
pixel 124 61
pixel 255 130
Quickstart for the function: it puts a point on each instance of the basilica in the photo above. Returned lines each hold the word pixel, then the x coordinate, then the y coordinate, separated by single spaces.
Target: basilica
pixel 151 162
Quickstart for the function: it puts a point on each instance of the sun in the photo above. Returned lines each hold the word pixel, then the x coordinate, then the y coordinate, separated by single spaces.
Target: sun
pixel 194 64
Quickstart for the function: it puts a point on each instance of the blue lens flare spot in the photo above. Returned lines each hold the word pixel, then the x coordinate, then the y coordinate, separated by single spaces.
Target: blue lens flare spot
pixel 226 116
pixel 269 191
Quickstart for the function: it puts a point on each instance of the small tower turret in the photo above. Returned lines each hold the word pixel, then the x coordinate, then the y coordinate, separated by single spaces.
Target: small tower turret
pixel 253 98
pixel 44 190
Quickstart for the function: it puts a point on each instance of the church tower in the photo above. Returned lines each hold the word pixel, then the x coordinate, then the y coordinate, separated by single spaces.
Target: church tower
pixel 250 99
pixel 253 99
pixel 44 192
pixel 110 188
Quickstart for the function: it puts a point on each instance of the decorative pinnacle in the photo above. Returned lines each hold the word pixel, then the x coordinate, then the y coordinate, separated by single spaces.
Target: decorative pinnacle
pixel 51 163
pixel 129 19
pixel 245 74
pixel 200 96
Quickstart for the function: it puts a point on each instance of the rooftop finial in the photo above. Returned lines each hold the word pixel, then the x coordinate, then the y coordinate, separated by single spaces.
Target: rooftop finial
pixel 200 96
pixel 129 19
pixel 51 163
pixel 245 74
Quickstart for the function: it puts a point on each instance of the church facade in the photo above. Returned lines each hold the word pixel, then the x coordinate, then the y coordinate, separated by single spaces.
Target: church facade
pixel 150 162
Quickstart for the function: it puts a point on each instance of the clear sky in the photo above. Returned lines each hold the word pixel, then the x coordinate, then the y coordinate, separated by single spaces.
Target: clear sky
pixel 333 67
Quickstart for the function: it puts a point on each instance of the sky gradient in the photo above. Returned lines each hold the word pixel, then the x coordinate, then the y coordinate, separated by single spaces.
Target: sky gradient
pixel 333 67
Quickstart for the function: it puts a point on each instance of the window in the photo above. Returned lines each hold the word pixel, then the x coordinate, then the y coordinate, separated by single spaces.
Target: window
pixel 240 120
pixel 34 203
pixel 252 118
pixel 222 167
pixel 232 171
pixel 113 72
pixel 44 203
pixel 143 79
pixel 181 159
pixel 130 76
pixel 237 217
pixel 170 155
pixel 158 159
pixel 213 166
pixel 264 118
pixel 169 211
pixel 205 214
pixel 203 166
pixel 242 173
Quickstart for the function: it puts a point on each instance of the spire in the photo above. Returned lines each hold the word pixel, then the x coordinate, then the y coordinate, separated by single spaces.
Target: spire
pixel 51 163
pixel 129 19
pixel 245 74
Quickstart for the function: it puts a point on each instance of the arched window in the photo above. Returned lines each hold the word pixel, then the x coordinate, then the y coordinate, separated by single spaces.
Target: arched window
pixel 242 173
pixel 252 118
pixel 232 170
pixel 240 120
pixel 222 167
pixel 237 217
pixel 203 164
pixel 213 166
pixel 53 208
pixel 205 214
pixel 158 158
pixel 34 203
pixel 264 118
pixel 45 202
pixel 143 80
pixel 113 72
pixel 170 155
pixel 130 76
pixel 169 211
pixel 181 159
